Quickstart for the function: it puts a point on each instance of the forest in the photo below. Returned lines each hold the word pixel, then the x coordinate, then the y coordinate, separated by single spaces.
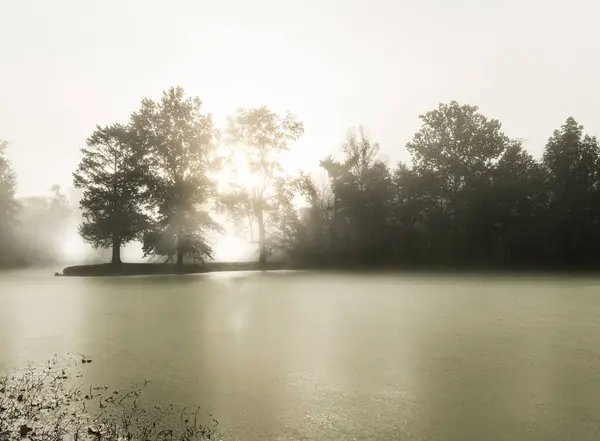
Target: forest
pixel 471 196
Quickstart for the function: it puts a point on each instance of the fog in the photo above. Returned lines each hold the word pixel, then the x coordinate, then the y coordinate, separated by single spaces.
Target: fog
pixel 47 234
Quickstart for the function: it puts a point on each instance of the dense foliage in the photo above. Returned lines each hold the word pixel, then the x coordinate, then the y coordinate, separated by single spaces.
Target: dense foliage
pixel 472 197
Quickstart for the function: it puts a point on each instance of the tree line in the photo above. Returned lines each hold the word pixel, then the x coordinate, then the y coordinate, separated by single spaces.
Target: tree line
pixel 471 196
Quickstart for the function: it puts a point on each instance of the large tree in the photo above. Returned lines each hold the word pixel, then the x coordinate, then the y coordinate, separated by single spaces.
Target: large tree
pixel 181 143
pixel 9 207
pixel 112 175
pixel 572 162
pixel 257 137
pixel 454 152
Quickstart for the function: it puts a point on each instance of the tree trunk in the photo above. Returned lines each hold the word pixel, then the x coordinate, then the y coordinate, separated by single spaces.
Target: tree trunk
pixel 262 253
pixel 262 242
pixel 180 244
pixel 179 261
pixel 116 251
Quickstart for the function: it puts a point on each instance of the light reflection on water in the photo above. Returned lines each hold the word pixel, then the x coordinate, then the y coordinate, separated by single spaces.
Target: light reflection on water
pixel 301 355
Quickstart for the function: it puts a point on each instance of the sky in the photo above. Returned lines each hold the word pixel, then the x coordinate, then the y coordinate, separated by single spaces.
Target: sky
pixel 68 65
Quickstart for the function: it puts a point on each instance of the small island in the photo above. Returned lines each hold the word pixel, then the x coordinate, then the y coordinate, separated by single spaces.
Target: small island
pixel 146 269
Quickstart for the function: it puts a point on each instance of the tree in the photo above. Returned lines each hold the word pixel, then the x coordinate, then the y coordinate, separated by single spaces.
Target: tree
pixel 455 151
pixel 516 206
pixel 360 182
pixel 412 206
pixel 310 234
pixel 257 137
pixel 111 174
pixel 181 143
pixel 572 161
pixel 9 207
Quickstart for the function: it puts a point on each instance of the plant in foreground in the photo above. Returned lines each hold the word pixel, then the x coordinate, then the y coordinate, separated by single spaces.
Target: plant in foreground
pixel 45 404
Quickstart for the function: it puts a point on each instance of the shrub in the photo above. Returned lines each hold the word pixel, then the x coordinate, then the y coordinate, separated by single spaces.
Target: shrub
pixel 44 403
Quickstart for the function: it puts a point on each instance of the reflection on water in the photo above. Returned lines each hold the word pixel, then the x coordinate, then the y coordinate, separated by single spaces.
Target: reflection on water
pixel 323 356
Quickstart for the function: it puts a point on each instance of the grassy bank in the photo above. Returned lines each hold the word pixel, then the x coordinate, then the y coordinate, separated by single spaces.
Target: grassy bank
pixel 142 269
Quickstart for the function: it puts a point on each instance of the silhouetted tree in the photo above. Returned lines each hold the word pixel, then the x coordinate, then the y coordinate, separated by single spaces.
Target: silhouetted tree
pixel 572 161
pixel 517 207
pixel 310 233
pixel 412 206
pixel 181 142
pixel 472 197
pixel 111 174
pixel 256 138
pixel 455 152
pixel 9 207
pixel 360 182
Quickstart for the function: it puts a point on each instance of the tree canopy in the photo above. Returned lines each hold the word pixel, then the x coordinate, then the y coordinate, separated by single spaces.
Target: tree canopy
pixel 256 138
pixel 112 174
pixel 180 142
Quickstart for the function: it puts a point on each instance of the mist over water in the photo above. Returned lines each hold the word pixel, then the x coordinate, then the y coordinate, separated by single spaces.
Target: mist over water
pixel 304 355
pixel 47 235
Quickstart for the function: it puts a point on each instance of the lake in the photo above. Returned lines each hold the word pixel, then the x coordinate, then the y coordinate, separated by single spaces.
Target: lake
pixel 307 355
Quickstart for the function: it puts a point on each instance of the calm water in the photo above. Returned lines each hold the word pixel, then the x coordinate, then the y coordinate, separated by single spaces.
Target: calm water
pixel 324 356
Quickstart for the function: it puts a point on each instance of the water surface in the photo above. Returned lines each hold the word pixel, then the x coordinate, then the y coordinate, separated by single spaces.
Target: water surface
pixel 304 355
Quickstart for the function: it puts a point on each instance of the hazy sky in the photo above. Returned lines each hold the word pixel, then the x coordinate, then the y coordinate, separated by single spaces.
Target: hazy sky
pixel 67 65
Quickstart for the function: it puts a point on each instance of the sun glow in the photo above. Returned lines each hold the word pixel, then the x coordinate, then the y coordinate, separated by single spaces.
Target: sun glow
pixel 233 249
pixel 237 172
pixel 73 248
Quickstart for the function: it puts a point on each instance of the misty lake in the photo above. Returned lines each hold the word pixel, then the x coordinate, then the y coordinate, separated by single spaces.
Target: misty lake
pixel 303 355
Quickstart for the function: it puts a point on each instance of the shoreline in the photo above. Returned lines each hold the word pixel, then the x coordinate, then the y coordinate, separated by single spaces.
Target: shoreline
pixel 147 269
pixel 142 269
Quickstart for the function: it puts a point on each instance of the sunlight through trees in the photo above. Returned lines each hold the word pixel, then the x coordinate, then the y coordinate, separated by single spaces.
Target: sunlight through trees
pixel 471 196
